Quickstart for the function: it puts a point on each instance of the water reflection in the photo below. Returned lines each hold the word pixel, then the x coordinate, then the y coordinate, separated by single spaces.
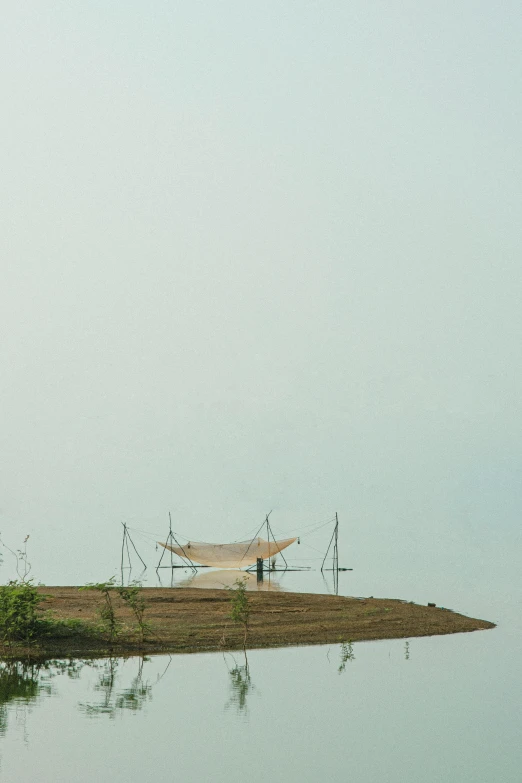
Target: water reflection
pixel 346 654
pixel 117 685
pixel 128 576
pixel 112 700
pixel 23 683
pixel 331 581
pixel 227 578
pixel 240 686
pixel 18 684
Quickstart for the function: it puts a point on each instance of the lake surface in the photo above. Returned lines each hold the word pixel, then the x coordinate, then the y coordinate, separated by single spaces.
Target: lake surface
pixel 428 709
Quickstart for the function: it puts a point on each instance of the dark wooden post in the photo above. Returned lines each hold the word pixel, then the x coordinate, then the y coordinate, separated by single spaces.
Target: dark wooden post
pixel 260 569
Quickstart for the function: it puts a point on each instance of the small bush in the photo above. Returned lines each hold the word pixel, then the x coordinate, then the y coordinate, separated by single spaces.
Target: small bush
pixel 132 595
pixel 19 601
pixel 240 608
pixel 109 622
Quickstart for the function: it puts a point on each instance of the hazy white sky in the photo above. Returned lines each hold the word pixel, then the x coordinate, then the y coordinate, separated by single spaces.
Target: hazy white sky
pixel 260 255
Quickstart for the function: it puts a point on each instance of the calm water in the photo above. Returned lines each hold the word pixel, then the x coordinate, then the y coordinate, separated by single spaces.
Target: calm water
pixel 442 708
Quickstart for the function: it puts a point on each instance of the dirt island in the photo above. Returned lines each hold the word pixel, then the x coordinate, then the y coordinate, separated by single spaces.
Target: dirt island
pixel 193 620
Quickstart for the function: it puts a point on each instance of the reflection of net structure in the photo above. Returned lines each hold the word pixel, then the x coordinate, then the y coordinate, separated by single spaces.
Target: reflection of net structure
pixel 216 580
pixel 237 555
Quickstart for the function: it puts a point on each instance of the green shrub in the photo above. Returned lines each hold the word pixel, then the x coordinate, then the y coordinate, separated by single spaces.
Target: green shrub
pixel 109 622
pixel 132 595
pixel 240 608
pixel 19 621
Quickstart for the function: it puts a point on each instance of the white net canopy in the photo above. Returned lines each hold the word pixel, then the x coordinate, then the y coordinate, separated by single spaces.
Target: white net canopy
pixel 237 555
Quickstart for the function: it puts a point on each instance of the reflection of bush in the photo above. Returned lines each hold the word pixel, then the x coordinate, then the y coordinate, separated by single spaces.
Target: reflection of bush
pixel 19 683
pixel 113 701
pixel 347 654
pixel 240 685
pixel 23 683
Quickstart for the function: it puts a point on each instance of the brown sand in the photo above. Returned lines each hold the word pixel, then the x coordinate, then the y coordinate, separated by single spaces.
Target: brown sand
pixel 191 620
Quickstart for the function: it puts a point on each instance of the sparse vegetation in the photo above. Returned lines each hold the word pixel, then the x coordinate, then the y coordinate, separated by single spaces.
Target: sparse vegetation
pixel 19 601
pixel 68 621
pixel 23 625
pixel 132 595
pixel 19 621
pixel 240 607
pixel 23 566
pixel 110 624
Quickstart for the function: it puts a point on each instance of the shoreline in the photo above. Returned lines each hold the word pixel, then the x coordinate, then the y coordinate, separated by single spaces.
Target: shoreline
pixel 197 620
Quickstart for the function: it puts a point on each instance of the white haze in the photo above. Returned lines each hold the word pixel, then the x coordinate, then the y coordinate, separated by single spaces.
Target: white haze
pixel 261 256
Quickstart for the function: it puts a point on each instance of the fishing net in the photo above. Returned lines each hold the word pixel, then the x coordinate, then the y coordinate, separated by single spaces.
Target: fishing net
pixel 238 555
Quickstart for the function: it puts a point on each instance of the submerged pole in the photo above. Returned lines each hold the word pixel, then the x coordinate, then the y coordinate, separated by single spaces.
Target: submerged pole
pixel 336 550
pixel 123 548
pixel 268 539
pixel 328 550
pixel 336 556
pixel 170 540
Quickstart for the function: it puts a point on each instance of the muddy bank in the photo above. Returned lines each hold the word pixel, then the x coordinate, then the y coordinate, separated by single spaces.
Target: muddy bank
pixel 191 620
